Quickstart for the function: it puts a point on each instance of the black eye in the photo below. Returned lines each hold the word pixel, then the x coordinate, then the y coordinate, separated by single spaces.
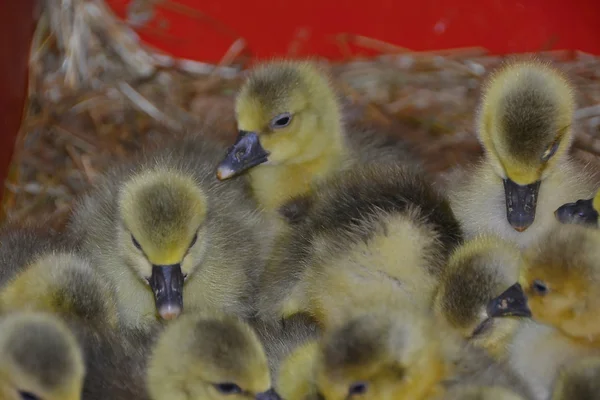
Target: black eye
pixel 194 239
pixel 281 121
pixel 539 287
pixel 357 388
pixel 28 396
pixel 228 388
pixel 136 243
pixel 550 151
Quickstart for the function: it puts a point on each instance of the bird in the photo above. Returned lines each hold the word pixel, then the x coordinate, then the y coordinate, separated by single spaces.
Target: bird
pixel 578 380
pixel 208 355
pixel 480 392
pixel 294 130
pixel 372 356
pixel 478 272
pixel 40 359
pixel 583 211
pixel 280 340
pixel 537 353
pixel 404 354
pixel 172 236
pixel 20 244
pixel 366 238
pixel 525 125
pixel 560 274
pixel 67 286
pixel 295 376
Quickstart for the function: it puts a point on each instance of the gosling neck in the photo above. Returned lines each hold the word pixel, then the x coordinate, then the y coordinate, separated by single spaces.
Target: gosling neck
pixel 274 184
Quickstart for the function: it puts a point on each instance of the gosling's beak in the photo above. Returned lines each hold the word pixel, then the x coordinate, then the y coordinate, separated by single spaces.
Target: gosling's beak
pixel 580 212
pixel 520 203
pixel 511 303
pixel 270 394
pixel 167 284
pixel 246 153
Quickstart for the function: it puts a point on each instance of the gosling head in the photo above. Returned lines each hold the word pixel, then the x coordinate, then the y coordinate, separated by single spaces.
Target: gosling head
pixel 161 233
pixel 41 359
pixel 561 278
pixel 480 274
pixel 287 113
pixel 584 212
pixel 209 357
pixel 376 357
pixel 525 123
pixel 62 283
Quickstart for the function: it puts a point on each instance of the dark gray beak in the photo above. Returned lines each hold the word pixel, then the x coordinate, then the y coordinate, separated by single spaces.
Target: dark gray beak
pixel 511 303
pixel 270 394
pixel 246 153
pixel 520 203
pixel 167 284
pixel 581 212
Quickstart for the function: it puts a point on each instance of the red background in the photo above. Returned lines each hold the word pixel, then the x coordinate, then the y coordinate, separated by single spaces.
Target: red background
pixel 270 26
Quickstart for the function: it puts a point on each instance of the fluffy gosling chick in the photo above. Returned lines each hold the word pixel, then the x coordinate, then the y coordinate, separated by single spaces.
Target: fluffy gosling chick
pixel 584 212
pixel 478 272
pixel 67 286
pixel 209 357
pixel 561 277
pixel 20 245
pixel 525 126
pixel 475 392
pixel 296 375
pixel 291 133
pixel 280 340
pixel 40 359
pixel 579 380
pixel 164 220
pixel 372 237
pixel 537 353
pixel 395 355
pixel 62 283
pixel 375 356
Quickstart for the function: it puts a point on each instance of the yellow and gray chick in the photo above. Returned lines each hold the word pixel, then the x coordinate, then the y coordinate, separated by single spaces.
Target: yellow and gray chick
pixel 537 353
pixel 560 275
pixel 211 357
pixel 375 356
pixel 68 286
pixel 21 244
pixel 372 237
pixel 525 124
pixel 293 132
pixel 481 275
pixel 40 359
pixel 170 235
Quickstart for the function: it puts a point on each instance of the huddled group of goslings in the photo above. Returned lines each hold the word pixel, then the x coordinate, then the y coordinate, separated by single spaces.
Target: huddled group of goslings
pixel 313 259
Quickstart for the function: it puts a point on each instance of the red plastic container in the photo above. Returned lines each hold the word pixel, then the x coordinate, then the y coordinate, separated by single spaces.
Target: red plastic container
pixel 205 30
pixel 274 27
pixel 17 22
